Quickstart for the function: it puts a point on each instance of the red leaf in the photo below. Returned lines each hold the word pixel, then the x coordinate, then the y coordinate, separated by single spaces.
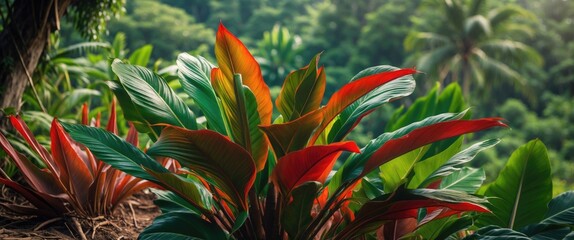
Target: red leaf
pixel 353 91
pixel 22 128
pixel 112 123
pixel 75 171
pixel 210 154
pixel 426 135
pixel 310 164
pixel 85 117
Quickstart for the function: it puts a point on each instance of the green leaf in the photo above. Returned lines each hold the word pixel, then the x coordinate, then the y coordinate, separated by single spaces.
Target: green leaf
pixel 194 74
pixel 350 117
pixel 457 161
pixel 394 173
pixel 192 191
pixel 131 112
pixel 168 201
pixel 466 180
pixel 523 189
pixel 113 150
pixel 302 91
pixel 425 168
pixel 181 225
pixel 297 214
pixel 141 55
pixel 496 233
pixel 152 97
pixel 561 210
pixel 239 221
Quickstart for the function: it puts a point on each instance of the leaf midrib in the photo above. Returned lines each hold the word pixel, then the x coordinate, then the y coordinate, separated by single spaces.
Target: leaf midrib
pixel 519 192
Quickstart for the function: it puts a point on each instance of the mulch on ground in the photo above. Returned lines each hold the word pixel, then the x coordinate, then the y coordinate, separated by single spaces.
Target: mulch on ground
pixel 127 222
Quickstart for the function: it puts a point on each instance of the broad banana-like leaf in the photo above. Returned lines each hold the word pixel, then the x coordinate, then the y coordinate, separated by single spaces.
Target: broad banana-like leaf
pixel 234 58
pixel 152 97
pixel 211 155
pixel 520 194
pixel 561 210
pixel 182 226
pixel 195 74
pixel 293 135
pixel 354 91
pixel 352 115
pixel 426 135
pixel 313 163
pixel 302 91
pixel 457 161
pixel 405 204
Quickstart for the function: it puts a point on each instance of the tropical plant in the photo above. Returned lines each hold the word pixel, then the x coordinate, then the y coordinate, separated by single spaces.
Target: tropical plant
pixel 521 201
pixel 72 181
pixel 472 46
pixel 247 178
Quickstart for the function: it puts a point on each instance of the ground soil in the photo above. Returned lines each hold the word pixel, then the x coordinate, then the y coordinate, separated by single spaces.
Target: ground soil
pixel 127 222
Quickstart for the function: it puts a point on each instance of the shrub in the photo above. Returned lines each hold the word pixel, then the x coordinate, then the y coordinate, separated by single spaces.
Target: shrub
pixel 73 181
pixel 248 177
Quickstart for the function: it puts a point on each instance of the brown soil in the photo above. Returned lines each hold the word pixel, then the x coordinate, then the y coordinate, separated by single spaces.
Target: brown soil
pixel 128 221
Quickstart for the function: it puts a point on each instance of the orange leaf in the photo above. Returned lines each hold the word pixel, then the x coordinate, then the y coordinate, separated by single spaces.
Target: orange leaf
pixel 234 58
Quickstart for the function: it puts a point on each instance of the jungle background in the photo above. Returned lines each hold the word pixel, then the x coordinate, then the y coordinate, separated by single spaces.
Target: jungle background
pixel 512 58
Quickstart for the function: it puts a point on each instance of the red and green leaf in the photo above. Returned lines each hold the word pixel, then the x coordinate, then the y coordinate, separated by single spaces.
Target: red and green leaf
pixel 425 135
pixel 293 135
pixel 213 156
pixel 354 91
pixel 302 91
pixel 313 163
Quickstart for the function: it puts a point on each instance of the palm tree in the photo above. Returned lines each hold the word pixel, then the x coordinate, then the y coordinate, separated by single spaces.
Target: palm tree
pixel 472 45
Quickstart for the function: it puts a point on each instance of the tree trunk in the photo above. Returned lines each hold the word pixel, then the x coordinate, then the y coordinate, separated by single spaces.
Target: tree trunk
pixel 27 27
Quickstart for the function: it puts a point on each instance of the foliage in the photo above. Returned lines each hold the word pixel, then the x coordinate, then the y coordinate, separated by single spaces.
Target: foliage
pixel 167 28
pixel 91 17
pixel 248 178
pixel 279 53
pixel 472 46
pixel 521 199
pixel 72 181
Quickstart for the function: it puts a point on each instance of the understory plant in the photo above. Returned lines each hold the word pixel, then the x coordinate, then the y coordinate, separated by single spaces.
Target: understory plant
pixel 72 181
pixel 245 175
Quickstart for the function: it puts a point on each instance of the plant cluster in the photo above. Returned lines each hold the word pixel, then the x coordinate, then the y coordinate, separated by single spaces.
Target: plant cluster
pixel 70 180
pixel 245 176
